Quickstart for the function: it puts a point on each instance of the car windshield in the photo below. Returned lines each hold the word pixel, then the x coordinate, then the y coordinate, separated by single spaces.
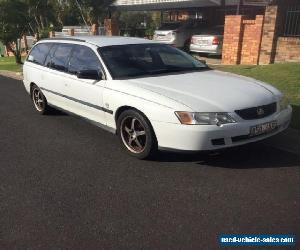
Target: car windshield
pixel 139 60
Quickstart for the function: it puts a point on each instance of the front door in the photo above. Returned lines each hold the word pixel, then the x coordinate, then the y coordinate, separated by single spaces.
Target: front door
pixel 85 95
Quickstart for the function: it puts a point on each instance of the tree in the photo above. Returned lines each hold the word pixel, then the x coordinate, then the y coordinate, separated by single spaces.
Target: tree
pixel 13 24
pixel 137 23
pixel 58 13
pixel 52 13
pixel 95 10
pixel 67 12
pixel 17 17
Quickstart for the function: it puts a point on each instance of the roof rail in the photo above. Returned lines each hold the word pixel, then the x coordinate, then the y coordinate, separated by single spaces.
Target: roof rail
pixel 63 39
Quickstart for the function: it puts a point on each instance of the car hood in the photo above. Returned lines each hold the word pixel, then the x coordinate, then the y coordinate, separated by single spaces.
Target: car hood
pixel 210 90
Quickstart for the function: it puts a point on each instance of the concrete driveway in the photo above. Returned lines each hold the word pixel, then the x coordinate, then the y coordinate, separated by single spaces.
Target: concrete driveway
pixel 67 184
pixel 209 59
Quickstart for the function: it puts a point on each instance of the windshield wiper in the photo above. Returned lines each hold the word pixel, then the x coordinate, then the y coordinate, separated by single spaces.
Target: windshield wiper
pixel 162 71
pixel 171 70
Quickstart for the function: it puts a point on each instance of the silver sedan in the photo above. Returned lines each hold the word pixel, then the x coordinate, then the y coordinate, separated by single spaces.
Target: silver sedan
pixel 209 41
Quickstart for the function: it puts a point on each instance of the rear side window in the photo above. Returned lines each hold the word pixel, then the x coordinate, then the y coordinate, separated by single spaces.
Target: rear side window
pixel 83 58
pixel 50 56
pixel 61 57
pixel 39 52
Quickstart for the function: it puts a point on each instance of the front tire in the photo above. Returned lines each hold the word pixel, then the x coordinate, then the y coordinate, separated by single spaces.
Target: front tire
pixel 39 100
pixel 136 134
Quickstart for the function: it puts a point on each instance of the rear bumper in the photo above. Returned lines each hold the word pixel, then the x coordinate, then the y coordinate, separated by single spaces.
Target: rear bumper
pixel 210 49
pixel 178 137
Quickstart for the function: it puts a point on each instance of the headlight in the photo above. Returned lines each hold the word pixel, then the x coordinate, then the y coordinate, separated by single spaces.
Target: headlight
pixel 283 103
pixel 197 118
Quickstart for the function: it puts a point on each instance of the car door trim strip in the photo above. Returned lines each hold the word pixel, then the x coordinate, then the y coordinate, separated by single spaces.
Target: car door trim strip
pixel 79 101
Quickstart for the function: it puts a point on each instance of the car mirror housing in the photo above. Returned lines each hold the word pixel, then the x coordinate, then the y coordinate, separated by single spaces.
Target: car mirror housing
pixel 90 74
pixel 203 61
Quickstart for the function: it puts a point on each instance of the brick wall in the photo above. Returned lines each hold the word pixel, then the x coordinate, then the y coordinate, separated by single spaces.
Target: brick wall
pixel 258 41
pixel 232 40
pixel 111 27
pixel 251 40
pixel 268 44
pixel 288 49
pixel 242 40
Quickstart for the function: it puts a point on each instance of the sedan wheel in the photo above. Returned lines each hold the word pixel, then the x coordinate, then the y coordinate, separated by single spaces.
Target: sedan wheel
pixel 133 134
pixel 136 134
pixel 39 100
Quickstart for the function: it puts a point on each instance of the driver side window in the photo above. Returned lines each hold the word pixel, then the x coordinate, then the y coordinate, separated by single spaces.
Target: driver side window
pixel 83 58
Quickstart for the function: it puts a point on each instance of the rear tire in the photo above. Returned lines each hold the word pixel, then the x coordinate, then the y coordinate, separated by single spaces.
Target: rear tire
pixel 136 134
pixel 186 46
pixel 39 100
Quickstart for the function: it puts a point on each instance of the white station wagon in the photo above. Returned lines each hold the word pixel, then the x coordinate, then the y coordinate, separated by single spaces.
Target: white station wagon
pixel 153 96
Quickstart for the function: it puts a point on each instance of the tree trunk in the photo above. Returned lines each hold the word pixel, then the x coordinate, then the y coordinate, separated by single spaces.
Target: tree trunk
pixel 42 22
pixel 18 58
pixel 37 22
pixel 17 53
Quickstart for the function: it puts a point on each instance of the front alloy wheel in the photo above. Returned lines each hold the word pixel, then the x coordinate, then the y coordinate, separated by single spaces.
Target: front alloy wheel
pixel 136 134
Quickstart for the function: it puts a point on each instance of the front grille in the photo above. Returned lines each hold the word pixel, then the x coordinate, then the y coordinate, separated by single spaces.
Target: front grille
pixel 257 112
pixel 218 142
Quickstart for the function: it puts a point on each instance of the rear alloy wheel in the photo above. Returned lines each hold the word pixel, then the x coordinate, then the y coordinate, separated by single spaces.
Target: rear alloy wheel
pixel 136 134
pixel 39 100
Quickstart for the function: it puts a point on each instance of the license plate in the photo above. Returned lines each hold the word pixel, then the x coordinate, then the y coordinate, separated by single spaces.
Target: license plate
pixel 202 42
pixel 263 128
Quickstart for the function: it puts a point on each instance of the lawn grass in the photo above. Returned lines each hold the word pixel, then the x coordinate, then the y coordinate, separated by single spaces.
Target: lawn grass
pixel 9 64
pixel 285 77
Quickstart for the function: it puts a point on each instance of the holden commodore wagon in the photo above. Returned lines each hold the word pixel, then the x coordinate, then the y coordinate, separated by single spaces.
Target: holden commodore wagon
pixel 152 95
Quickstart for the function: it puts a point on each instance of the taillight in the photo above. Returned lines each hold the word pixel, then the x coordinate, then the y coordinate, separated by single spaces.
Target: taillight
pixel 216 41
pixel 193 40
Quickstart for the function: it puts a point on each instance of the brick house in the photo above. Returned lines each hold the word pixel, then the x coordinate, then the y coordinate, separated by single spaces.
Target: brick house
pixel 256 31
pixel 268 38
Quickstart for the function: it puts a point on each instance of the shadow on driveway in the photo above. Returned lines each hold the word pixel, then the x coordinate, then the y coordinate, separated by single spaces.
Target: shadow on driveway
pixel 255 155
pixel 296 117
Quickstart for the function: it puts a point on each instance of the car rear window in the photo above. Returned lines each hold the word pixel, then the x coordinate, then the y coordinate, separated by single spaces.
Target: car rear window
pixel 169 26
pixel 219 30
pixel 39 52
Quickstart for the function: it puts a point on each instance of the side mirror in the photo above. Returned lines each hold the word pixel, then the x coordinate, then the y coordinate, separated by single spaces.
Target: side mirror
pixel 90 74
pixel 202 61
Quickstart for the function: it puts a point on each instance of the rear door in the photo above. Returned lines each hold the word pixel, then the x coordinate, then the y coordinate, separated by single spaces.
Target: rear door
pixel 34 70
pixel 85 97
pixel 56 74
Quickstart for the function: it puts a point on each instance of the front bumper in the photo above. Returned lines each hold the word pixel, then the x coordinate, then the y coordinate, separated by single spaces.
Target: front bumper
pixel 178 137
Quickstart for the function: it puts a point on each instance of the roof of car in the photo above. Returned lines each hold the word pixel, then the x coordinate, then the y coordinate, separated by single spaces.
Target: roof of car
pixel 102 41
